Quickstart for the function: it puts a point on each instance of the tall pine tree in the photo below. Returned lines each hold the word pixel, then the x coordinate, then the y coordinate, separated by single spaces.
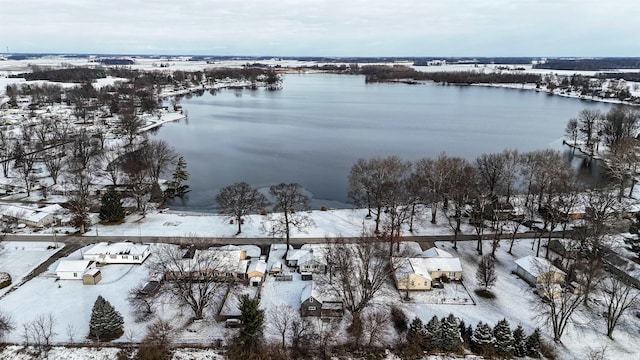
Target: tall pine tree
pixel 111 209
pixel 106 323
pixel 176 186
pixel 451 338
pixel 433 334
pixel 504 338
pixel 482 340
pixel 519 342
pixel 533 344
pixel 252 318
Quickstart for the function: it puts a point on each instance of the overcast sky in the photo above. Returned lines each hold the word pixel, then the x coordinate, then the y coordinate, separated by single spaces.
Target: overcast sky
pixel 324 27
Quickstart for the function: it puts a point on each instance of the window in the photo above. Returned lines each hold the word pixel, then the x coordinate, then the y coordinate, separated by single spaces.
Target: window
pixel 412 283
pixel 312 308
pixel 75 274
pixel 112 256
pixel 452 275
pixel 426 283
pixel 136 257
pixel 125 257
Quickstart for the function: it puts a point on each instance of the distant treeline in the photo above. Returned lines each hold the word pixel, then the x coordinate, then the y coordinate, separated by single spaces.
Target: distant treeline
pixel 635 76
pixel 146 78
pixel 380 73
pixel 74 75
pixel 590 64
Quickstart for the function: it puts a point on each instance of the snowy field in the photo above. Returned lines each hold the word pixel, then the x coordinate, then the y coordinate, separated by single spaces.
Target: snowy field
pixel 18 259
pixel 331 223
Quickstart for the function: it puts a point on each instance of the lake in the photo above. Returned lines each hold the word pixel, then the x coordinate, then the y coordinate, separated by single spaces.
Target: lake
pixel 314 129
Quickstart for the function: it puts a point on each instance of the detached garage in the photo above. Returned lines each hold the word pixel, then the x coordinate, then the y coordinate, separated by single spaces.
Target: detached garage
pixel 84 270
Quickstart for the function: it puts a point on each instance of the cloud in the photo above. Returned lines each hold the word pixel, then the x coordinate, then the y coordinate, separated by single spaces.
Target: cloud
pixel 324 27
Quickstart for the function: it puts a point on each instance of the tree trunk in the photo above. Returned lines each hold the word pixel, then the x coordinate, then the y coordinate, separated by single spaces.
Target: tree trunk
pixel 239 220
pixel 434 212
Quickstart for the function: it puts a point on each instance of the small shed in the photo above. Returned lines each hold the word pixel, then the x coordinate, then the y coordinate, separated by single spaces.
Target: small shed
pixel 276 268
pixel 535 270
pixel 91 277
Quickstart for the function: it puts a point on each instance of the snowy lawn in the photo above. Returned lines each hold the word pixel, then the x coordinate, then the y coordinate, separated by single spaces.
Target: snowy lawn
pixel 331 223
pixel 19 258
pixel 516 302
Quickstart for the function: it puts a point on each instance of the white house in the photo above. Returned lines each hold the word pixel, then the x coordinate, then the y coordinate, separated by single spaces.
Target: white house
pixel 419 272
pixel 535 270
pixel 73 269
pixel 29 216
pixel 118 253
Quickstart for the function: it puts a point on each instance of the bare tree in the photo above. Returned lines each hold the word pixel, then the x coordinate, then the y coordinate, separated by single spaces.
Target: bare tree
pixel 372 182
pixel 572 131
pixel 142 303
pixel 157 156
pixel 130 122
pixel 375 326
pixel 486 273
pixel 622 164
pixel 39 331
pixel 192 282
pixel 588 127
pixel 239 200
pixel 79 179
pixel 139 180
pixel 282 318
pixel 456 192
pixel 602 210
pixel 557 307
pixel 290 200
pixel 6 325
pixel 6 150
pixel 53 162
pixel 619 297
pixel 620 123
pixel 72 331
pixel 26 171
pixel 357 271
pixel 111 164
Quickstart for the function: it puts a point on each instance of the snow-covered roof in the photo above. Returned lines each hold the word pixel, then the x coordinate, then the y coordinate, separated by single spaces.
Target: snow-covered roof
pixel 310 290
pixel 537 266
pixel 73 265
pixel 120 248
pixel 424 266
pixel 92 272
pixel 300 255
pixel 412 266
pixel 435 252
pixel 257 265
pixel 25 214
pixel 51 209
pixel 276 265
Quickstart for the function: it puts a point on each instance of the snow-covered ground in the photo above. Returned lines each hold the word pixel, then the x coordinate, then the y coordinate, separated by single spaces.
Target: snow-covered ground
pixel 330 223
pixel 18 259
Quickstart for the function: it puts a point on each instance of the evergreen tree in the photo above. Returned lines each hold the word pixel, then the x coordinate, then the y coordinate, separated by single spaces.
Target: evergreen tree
pixel 519 342
pixel 482 340
pixel 504 338
pixel 106 323
pixel 433 334
pixel 416 335
pixel 451 338
pixel 533 344
pixel 252 318
pixel 176 186
pixel 111 209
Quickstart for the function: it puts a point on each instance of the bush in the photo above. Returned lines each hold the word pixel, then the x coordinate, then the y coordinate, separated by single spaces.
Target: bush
pixel 399 319
pixel 323 208
pixel 5 280
pixel 263 212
